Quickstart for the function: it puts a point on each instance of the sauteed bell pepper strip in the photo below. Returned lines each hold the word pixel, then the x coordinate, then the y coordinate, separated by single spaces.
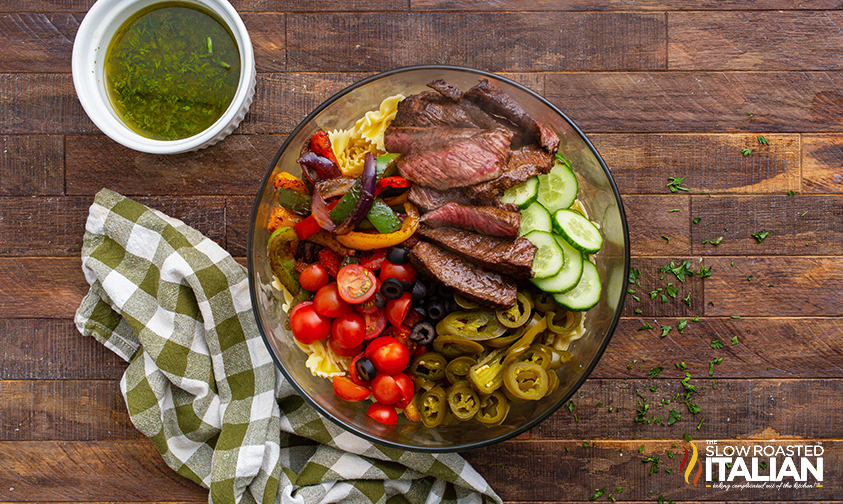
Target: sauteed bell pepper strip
pixel 309 226
pixel 396 182
pixel 368 241
pixel 320 143
pixel 349 201
pixel 281 250
pixel 367 197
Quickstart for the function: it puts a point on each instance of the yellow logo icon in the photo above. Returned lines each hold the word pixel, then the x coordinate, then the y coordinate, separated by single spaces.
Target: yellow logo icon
pixel 688 465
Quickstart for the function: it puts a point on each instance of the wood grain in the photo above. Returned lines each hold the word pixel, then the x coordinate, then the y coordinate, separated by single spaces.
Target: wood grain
pixel 798 225
pixel 650 219
pixel 508 41
pixel 714 163
pixel 653 283
pixel 48 410
pixel 125 471
pixel 46 6
pixel 54 226
pixel 700 101
pixel 766 347
pixel 801 286
pixel 766 41
pixel 31 165
pixel 238 213
pixel 36 42
pixel 319 6
pixel 822 163
pixel 268 34
pixel 53 349
pixel 556 475
pixel 623 5
pixel 234 166
pixel 43 287
pixel 41 103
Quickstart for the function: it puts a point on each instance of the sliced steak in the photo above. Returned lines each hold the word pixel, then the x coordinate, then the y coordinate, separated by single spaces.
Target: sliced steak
pixel 478 115
pixel 494 100
pixel 473 282
pixel 484 220
pixel 510 257
pixel 409 139
pixel 430 108
pixel 524 163
pixel 428 198
pixel 461 162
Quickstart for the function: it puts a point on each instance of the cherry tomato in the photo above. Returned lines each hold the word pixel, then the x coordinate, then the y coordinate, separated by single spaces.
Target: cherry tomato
pixel 356 283
pixel 402 334
pixel 349 330
pixel 397 309
pixel 388 355
pixel 385 389
pixel 348 390
pixel 400 271
pixel 382 413
pixel 420 350
pixel 352 372
pixel 413 318
pixel 373 260
pixel 344 352
pixel 331 260
pixel 375 323
pixel 308 325
pixel 406 389
pixel 328 302
pixel 314 277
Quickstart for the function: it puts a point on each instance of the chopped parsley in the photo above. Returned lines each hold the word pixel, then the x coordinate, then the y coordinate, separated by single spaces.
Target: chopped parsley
pixel 791 193
pixel 688 300
pixel 705 272
pixel 655 372
pixel 716 343
pixel 697 220
pixel 746 151
pixel 645 327
pixel 736 316
pixel 598 493
pixel 734 340
pixel 762 464
pixel 674 417
pixel 671 291
pixel 762 140
pixel 681 366
pixel 713 363
pixel 638 311
pixel 641 449
pixel 687 437
pixel 666 238
pixel 654 468
pixel 761 235
pixel 683 323
pixel 674 210
pixel 665 329
pixel 804 213
pixel 673 183
pixel 713 242
pixel 634 275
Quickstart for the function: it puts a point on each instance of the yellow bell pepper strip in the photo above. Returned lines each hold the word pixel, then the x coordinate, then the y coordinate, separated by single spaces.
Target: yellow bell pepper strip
pixel 288 181
pixel 281 250
pixel 281 217
pixel 368 241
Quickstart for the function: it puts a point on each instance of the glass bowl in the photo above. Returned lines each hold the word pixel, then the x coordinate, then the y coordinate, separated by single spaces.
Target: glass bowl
pixel 597 191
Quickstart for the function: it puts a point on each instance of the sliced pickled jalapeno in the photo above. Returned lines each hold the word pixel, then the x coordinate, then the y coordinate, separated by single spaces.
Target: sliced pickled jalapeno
pixel 543 301
pixel 540 354
pixel 475 325
pixel 433 405
pixel 429 365
pixel 553 383
pixel 526 380
pixel 463 401
pixel 493 409
pixel 521 346
pixel 562 321
pixel 458 368
pixel 518 314
pixel 453 346
pixel 487 375
pixel 507 338
pixel 465 303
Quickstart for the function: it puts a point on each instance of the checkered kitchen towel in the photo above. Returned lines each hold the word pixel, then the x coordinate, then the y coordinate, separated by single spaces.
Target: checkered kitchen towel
pixel 202 386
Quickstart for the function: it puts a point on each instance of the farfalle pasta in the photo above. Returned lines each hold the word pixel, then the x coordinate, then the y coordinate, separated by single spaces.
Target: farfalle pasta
pixel 351 145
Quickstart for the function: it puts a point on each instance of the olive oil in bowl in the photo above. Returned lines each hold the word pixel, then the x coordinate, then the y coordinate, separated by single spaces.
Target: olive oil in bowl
pixel 172 70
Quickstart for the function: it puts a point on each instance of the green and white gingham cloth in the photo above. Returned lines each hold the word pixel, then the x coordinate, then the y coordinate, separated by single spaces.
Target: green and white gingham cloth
pixel 201 384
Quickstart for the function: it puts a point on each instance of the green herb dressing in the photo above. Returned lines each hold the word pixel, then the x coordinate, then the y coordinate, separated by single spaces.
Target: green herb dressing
pixel 172 70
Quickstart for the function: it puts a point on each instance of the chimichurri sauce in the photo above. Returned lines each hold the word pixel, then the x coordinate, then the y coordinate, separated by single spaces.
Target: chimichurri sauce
pixel 172 70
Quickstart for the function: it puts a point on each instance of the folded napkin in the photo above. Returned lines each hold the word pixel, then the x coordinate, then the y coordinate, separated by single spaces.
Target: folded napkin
pixel 201 385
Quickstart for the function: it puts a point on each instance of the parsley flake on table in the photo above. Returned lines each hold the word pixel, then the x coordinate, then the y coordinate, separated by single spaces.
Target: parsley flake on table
pixel 654 468
pixel 673 183
pixel 598 492
pixel 761 235
pixel 645 327
pixel 687 437
pixel 791 193
pixel 674 210
pixel 683 323
pixel 655 371
pixel 638 311
pixel 688 300
pixel 700 424
pixel 705 272
pixel 734 340
pixel 674 417
pixel 681 366
pixel 655 293
pixel 746 151
pixel 716 343
pixel 641 449
pixel 713 363
pixel 634 275
pixel 665 329
pixel 671 291
pixel 666 238
pixel 762 140
pixel 697 220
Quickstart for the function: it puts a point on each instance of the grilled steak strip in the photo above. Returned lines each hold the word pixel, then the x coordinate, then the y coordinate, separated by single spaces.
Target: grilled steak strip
pixel 428 198
pixel 495 101
pixel 460 162
pixel 484 220
pixel 513 258
pixel 524 163
pixel 430 108
pixel 409 139
pixel 473 282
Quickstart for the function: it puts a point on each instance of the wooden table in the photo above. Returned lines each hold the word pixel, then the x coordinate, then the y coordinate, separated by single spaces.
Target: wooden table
pixel 662 89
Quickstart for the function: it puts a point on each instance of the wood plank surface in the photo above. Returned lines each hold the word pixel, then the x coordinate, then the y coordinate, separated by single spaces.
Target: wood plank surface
pixel 37 42
pixel 44 287
pixel 822 163
pixel 41 103
pixel 31 165
pixel 700 101
pixel 650 218
pixel 796 40
pixel 508 41
pixel 623 5
pixel 714 163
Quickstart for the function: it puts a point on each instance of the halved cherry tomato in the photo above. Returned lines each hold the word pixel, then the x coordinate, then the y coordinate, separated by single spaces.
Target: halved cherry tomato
pixel 352 372
pixel 348 390
pixel 388 355
pixel 328 302
pixel 331 260
pixel 367 307
pixel 375 323
pixel 402 334
pixel 406 388
pixel 356 283
pixel 373 260
pixel 349 330
pixel 413 318
pixel 382 413
pixel 385 389
pixel 344 352
pixel 308 325
pixel 421 349
pixel 400 271
pixel 314 277
pixel 397 309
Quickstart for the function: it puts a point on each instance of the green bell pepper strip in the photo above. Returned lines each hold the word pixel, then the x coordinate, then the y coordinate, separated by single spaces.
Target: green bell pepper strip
pixel 294 201
pixel 383 218
pixel 281 249
pixel 349 199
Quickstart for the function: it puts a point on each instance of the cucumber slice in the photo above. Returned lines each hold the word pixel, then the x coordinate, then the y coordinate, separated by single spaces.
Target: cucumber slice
pixel 535 218
pixel 587 292
pixel 523 194
pixel 578 231
pixel 549 258
pixel 557 189
pixel 570 273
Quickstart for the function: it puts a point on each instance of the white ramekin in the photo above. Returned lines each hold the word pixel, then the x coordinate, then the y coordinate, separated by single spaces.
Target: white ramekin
pixel 92 40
